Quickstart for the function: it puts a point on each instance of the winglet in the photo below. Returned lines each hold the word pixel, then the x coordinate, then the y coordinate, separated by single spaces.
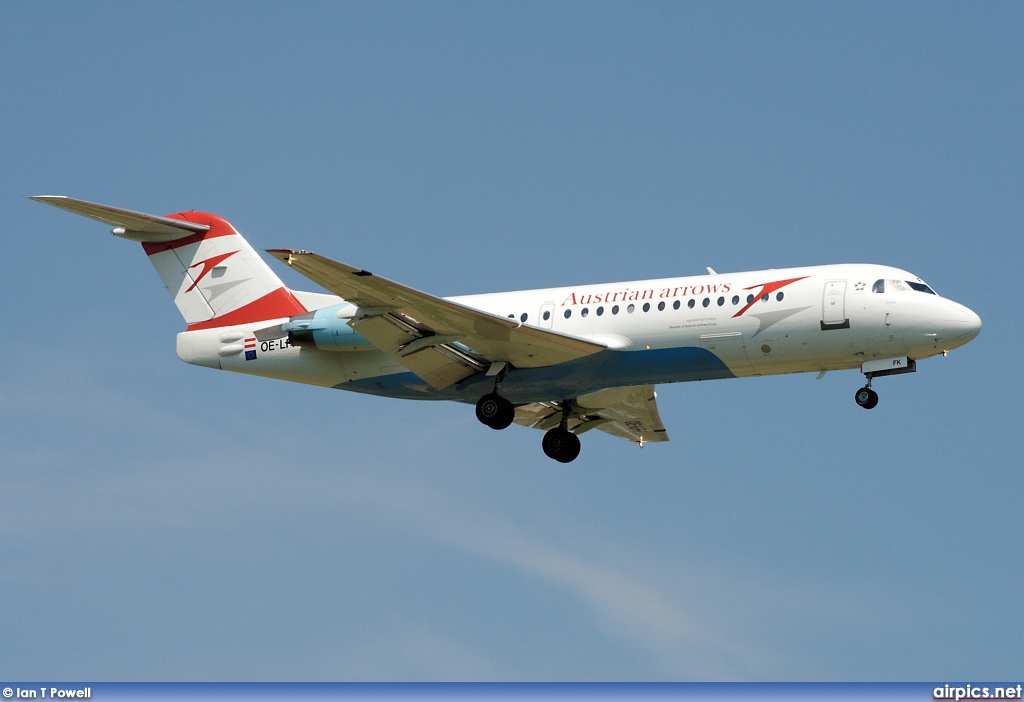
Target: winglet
pixel 127 224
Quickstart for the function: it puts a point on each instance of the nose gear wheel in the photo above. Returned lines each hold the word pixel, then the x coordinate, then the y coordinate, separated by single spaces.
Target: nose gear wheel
pixel 866 397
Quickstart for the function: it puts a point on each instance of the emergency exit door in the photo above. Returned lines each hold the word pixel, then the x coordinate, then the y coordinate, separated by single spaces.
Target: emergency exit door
pixel 547 315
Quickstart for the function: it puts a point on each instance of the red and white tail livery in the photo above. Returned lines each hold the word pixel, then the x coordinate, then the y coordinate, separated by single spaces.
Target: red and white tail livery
pixel 216 278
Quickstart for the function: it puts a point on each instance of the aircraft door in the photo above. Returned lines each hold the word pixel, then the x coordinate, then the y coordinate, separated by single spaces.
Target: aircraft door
pixel 833 306
pixel 547 315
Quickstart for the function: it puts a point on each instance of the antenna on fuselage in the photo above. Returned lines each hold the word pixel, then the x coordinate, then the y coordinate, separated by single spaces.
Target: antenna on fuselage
pixel 711 270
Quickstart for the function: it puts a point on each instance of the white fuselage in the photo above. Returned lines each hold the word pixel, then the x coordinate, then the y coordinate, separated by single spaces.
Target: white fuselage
pixel 670 330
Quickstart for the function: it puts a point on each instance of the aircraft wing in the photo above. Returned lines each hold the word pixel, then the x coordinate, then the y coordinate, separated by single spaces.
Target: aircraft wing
pixel 630 413
pixel 439 340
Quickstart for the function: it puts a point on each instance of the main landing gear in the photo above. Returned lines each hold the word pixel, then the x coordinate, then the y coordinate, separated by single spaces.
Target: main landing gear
pixel 866 397
pixel 495 411
pixel 559 443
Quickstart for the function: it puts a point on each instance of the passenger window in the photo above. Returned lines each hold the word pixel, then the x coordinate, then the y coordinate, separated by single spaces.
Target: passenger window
pixel 647 307
pixel 568 313
pixel 735 299
pixel 691 303
pixel 615 309
pixel 600 311
pixel 584 312
pixel 523 317
pixel 878 287
pixel 750 299
pixel 511 316
pixel 675 305
pixel 661 306
pixel 780 296
pixel 764 298
pixel 631 308
pixel 547 315
pixel 721 301
pixel 707 301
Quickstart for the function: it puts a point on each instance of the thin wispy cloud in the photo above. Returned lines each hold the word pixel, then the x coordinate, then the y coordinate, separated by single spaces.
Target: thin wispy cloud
pixel 671 615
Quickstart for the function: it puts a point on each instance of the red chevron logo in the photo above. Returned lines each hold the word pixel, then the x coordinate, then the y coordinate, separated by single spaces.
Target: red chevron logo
pixel 766 289
pixel 208 265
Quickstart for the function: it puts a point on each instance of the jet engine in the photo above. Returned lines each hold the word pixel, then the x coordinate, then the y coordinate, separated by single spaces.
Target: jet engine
pixel 326 329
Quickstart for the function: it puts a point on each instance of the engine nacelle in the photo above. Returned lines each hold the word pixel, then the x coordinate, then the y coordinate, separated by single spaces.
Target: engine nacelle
pixel 324 329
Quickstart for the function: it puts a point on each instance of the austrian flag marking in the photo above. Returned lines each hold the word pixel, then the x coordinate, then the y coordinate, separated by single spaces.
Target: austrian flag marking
pixel 250 348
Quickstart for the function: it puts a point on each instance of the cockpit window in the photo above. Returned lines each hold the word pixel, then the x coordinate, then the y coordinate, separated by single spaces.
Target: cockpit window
pixel 893 285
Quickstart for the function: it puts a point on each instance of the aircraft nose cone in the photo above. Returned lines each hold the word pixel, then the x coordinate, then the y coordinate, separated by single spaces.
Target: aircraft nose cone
pixel 961 324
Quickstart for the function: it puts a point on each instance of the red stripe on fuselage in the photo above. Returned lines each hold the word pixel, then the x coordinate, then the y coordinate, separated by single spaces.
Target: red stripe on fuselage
pixel 218 227
pixel 280 303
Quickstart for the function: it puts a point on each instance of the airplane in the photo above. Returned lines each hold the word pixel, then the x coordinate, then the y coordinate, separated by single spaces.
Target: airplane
pixel 563 360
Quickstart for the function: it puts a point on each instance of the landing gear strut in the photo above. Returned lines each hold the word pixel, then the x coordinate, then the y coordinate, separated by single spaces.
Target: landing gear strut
pixel 866 397
pixel 560 443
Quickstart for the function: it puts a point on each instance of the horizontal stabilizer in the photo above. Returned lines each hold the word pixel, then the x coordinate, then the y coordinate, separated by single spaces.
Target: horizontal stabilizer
pixel 136 226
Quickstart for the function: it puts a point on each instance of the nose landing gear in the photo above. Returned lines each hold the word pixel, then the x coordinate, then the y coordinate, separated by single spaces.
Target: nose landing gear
pixel 866 397
pixel 897 365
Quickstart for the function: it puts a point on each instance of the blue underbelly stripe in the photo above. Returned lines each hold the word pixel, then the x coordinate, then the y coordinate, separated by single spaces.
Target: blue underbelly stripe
pixel 590 374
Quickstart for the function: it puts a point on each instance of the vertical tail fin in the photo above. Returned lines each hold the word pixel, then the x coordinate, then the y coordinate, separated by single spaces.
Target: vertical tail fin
pixel 214 276
pixel 217 279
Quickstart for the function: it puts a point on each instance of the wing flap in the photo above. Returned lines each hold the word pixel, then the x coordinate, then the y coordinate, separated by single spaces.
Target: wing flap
pixel 629 413
pixel 437 367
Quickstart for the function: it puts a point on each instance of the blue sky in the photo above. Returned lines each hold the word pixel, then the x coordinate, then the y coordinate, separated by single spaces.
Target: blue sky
pixel 166 522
